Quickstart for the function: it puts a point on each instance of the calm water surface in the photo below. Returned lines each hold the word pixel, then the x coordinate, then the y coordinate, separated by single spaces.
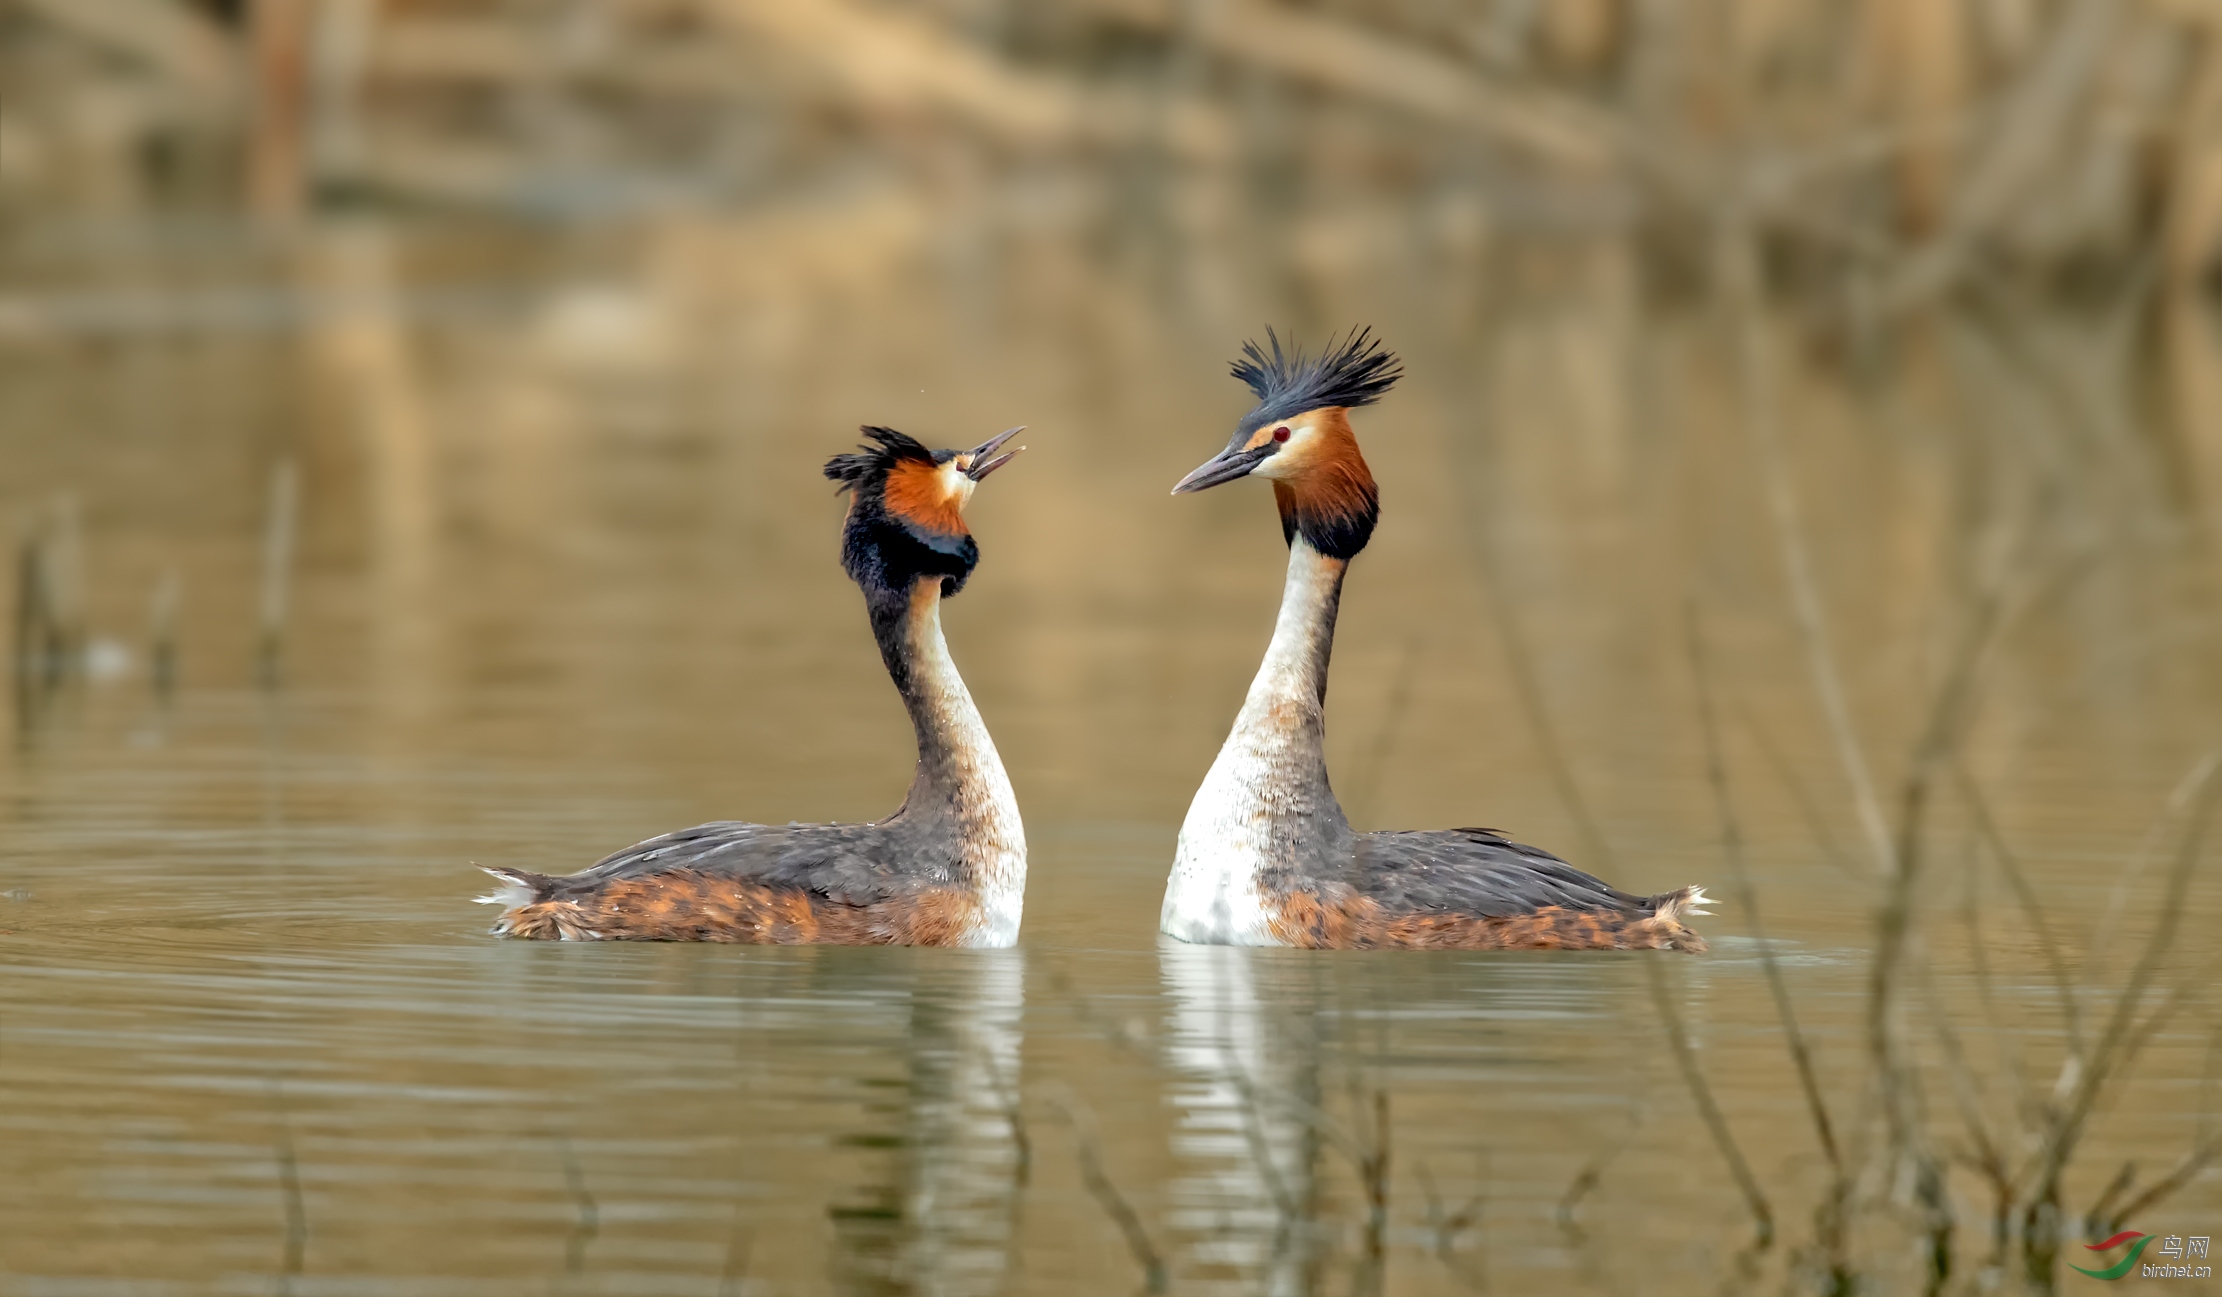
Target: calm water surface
pixel 566 578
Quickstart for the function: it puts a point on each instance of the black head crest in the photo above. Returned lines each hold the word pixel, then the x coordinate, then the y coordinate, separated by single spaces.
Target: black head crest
pixel 875 462
pixel 1358 371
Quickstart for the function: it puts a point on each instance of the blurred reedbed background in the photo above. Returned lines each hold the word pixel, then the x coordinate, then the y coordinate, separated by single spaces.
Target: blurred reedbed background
pixel 1806 483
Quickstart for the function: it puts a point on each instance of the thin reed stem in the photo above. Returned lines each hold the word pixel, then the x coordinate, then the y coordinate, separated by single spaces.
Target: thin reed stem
pixel 2026 896
pixel 1740 277
pixel 1708 1110
pixel 277 569
pixel 1155 1277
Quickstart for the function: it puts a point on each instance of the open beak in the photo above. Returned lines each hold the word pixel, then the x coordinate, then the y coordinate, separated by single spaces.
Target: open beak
pixel 982 465
pixel 1225 466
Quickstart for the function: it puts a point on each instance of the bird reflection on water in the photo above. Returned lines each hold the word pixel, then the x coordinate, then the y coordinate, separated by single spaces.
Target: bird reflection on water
pixel 940 1213
pixel 525 584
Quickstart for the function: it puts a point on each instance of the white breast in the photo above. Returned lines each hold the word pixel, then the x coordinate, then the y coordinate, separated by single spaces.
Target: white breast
pixel 1213 894
pixel 994 836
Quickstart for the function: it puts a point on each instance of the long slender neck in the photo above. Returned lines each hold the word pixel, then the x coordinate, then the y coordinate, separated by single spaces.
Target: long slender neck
pixel 1295 666
pixel 1265 817
pixel 961 788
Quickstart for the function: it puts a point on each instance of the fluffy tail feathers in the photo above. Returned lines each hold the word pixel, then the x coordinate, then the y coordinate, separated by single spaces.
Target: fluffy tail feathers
pixel 1669 912
pixel 515 887
pixel 1682 903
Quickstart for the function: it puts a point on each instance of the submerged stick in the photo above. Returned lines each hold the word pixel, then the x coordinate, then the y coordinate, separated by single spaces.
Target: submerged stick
pixel 2187 792
pixel 733 1275
pixel 1896 949
pixel 1740 275
pixel 1685 1057
pixel 2206 1150
pixel 289 1185
pixel 589 1222
pixel 30 610
pixel 1592 1174
pixel 2010 865
pixel 2117 1042
pixel 62 585
pixel 1448 1228
pixel 1732 845
pixel 1808 810
pixel 162 633
pixel 1155 1278
pixel 277 569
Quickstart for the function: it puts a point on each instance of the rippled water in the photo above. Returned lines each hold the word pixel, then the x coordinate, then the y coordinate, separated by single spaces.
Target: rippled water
pixel 566 579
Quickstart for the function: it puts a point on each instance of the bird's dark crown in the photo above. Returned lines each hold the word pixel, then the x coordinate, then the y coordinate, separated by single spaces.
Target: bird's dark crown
pixel 1358 371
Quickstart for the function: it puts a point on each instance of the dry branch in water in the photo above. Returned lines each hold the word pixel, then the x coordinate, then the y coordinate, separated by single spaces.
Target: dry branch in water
pixel 289 1188
pixel 589 1219
pixel 279 526
pixel 1829 1218
pixel 1716 1125
pixel 1904 151
pixel 1155 1278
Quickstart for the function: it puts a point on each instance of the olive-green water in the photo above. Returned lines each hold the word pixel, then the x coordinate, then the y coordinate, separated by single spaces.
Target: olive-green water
pixel 565 578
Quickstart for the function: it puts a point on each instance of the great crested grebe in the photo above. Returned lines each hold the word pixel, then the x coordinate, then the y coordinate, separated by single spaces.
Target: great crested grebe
pixel 1266 857
pixel 946 869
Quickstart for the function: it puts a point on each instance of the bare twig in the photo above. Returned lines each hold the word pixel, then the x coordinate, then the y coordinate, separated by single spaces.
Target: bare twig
pixel 1685 1057
pixel 1447 1227
pixel 589 1221
pixel 162 633
pixel 1155 1278
pixel 2187 792
pixel 740 1245
pixel 2114 1189
pixel 1949 717
pixel 2182 1173
pixel 31 611
pixel 1799 793
pixel 1253 1131
pixel 1739 273
pixel 1528 687
pixel 2030 129
pixel 1364 784
pixel 1405 75
pixel 2203 1151
pixel 1592 1174
pixel 1732 844
pixel 277 568
pixel 1829 1218
pixel 1373 1170
pixel 2010 865
pixel 1971 915
pixel 2041 1215
pixel 1014 1115
pixel 296 1244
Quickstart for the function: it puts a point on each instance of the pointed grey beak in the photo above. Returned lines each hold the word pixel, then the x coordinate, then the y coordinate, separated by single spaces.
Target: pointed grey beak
pixel 1225 466
pixel 982 465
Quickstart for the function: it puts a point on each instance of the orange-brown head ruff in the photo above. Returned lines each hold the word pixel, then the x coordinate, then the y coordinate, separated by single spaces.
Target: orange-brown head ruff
pixel 1299 437
pixel 906 510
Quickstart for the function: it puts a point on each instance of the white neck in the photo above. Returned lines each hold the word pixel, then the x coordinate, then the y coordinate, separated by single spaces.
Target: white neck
pixel 958 763
pixel 1266 804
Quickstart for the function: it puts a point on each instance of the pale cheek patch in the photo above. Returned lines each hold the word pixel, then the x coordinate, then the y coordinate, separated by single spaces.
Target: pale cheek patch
pixel 959 485
pixel 1294 456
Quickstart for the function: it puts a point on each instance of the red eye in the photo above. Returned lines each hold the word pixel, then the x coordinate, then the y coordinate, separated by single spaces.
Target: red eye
pixel 1281 433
